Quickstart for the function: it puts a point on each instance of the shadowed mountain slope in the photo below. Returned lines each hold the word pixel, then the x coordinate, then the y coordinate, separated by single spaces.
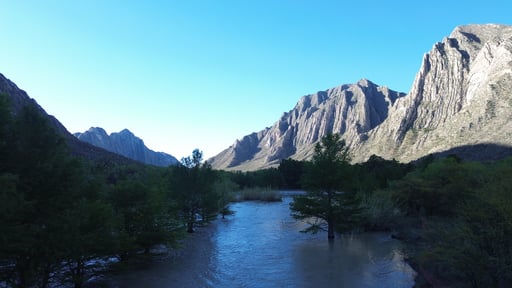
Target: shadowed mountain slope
pixel 19 98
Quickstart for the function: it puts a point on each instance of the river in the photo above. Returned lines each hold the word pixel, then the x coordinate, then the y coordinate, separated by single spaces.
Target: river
pixel 261 246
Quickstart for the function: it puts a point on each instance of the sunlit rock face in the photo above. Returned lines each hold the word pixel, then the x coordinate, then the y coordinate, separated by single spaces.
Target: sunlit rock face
pixel 351 110
pixel 461 97
pixel 127 144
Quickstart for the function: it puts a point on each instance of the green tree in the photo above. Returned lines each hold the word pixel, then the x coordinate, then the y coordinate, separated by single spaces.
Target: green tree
pixel 291 173
pixel 435 190
pixel 43 182
pixel 88 227
pixel 325 178
pixel 270 177
pixel 144 217
pixel 225 188
pixel 472 249
pixel 471 245
pixel 5 132
pixel 377 173
pixel 193 187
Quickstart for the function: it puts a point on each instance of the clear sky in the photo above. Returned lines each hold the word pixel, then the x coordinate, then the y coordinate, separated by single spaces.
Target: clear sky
pixel 200 74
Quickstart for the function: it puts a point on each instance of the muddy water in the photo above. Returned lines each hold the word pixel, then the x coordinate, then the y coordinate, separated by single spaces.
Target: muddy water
pixel 261 246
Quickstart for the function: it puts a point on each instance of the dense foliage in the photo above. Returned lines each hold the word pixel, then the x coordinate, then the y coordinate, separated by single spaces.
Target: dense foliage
pixel 61 217
pixel 45 192
pixel 463 235
pixel 286 177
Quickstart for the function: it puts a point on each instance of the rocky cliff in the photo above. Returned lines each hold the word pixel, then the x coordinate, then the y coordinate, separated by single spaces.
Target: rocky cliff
pixel 351 110
pixel 127 144
pixel 461 97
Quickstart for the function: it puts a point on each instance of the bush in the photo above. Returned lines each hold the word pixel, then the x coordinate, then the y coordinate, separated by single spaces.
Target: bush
pixel 380 211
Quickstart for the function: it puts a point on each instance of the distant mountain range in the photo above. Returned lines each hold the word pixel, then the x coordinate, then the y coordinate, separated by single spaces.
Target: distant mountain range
pixel 123 143
pixel 19 98
pixel 460 102
pixel 126 144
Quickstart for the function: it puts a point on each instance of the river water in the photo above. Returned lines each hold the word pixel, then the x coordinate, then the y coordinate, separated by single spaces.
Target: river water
pixel 261 246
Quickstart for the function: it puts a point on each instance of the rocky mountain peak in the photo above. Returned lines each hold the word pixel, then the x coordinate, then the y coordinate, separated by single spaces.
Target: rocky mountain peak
pixel 126 132
pixel 446 105
pixel 351 110
pixel 19 99
pixel 363 82
pixel 127 144
pixel 460 97
pixel 96 131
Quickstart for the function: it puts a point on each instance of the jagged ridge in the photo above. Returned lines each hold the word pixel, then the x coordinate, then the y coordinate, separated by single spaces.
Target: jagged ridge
pixel 460 97
pixel 19 99
pixel 127 144
pixel 351 110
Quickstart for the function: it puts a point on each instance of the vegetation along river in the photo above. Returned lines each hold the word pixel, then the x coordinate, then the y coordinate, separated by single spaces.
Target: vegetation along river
pixel 261 246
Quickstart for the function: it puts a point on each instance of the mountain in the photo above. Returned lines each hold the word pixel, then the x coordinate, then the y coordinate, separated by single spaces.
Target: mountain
pixel 127 144
pixel 19 99
pixel 460 97
pixel 460 102
pixel 351 110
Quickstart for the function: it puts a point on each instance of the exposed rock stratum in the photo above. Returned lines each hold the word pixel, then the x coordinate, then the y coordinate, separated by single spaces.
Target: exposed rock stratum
pixel 460 102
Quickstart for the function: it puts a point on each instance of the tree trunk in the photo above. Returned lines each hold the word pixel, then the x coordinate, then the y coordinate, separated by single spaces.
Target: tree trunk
pixel 191 220
pixel 330 229
pixel 79 273
pixel 190 227
pixel 330 221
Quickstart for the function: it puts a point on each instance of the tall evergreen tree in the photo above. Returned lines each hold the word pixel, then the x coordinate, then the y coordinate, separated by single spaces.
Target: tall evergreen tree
pixel 44 181
pixel 46 207
pixel 5 131
pixel 143 217
pixel 325 178
pixel 291 172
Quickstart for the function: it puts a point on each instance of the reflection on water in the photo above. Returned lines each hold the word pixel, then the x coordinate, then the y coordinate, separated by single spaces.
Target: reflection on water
pixel 261 246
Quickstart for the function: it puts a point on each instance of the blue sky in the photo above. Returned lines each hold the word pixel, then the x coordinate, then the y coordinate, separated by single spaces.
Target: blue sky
pixel 201 74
